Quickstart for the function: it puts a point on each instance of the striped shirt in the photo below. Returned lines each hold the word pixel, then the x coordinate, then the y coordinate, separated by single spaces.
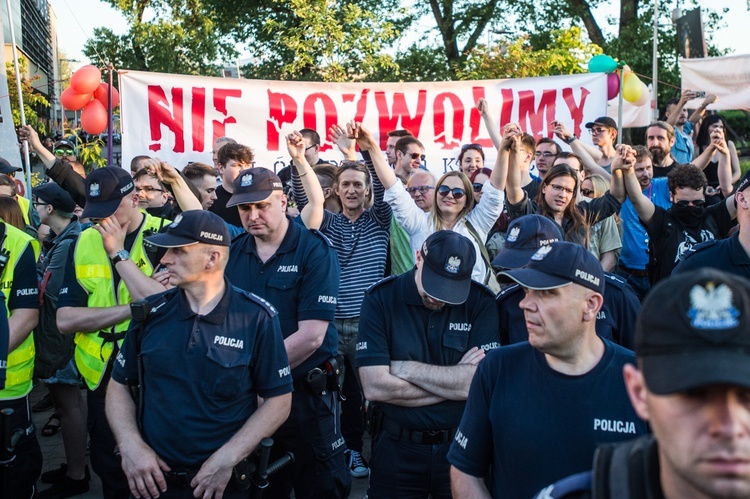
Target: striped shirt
pixel 361 245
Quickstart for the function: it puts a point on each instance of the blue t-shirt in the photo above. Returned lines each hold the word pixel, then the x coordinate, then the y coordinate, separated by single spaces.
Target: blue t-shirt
pixel 634 253
pixel 683 147
pixel 527 425
pixel 301 280
pixel 614 322
pixel 203 373
pixel 395 325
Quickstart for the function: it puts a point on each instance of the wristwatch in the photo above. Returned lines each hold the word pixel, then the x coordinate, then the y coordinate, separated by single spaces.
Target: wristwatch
pixel 120 256
pixel 571 139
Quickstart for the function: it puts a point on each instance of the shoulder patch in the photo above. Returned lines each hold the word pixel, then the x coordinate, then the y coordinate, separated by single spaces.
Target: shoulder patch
pixel 260 301
pixel 379 283
pixel 322 236
pixel 508 291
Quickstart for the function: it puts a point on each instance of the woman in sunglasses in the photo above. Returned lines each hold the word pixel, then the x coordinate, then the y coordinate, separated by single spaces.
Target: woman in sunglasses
pixel 453 208
pixel 556 200
pixel 606 235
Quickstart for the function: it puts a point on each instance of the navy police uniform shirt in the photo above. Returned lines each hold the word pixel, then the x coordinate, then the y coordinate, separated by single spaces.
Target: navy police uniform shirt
pixel 203 373
pixel 301 280
pixel 395 325
pixel 24 288
pixel 615 320
pixel 527 425
pixel 727 255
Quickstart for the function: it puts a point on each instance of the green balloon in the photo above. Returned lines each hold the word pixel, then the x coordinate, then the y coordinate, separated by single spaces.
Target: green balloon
pixel 602 64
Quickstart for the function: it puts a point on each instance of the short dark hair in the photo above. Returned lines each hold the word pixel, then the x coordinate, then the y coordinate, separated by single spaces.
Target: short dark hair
pixel 473 147
pixel 237 152
pixel 326 172
pixel 672 102
pixel 134 162
pixel 144 173
pixel 686 177
pixel 568 155
pixel 400 133
pixel 196 171
pixel 547 140
pixel 311 134
pixel 404 143
pixel 528 142
pixel 642 152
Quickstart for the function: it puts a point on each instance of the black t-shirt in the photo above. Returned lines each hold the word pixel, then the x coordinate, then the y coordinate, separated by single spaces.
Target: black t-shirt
pixel 230 215
pixel 727 255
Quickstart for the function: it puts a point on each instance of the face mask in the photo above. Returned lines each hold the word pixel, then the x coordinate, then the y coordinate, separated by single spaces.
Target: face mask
pixel 689 215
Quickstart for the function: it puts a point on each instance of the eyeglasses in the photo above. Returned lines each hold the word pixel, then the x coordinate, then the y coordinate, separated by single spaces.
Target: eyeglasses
pixel 587 192
pixel 471 146
pixel 685 203
pixel 594 131
pixel 477 186
pixel 422 189
pixel 545 154
pixel 416 155
pixel 148 189
pixel 560 188
pixel 308 148
pixel 64 152
pixel 457 192
pixel 37 203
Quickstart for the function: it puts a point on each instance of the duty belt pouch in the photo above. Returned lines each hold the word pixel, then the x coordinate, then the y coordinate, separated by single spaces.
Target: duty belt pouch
pixel 335 371
pixel 317 381
pixel 242 475
pixel 374 419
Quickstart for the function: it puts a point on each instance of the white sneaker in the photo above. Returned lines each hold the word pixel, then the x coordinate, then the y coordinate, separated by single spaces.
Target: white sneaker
pixel 357 465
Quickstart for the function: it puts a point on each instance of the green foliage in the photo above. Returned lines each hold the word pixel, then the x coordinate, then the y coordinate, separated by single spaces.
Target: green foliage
pixel 566 54
pixel 739 122
pixel 34 103
pixel 89 153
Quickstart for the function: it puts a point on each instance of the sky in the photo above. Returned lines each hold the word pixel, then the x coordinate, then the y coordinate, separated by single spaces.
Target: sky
pixel 76 20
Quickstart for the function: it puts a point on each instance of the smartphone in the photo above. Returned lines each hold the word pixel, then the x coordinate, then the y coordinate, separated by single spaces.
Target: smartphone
pixel 700 94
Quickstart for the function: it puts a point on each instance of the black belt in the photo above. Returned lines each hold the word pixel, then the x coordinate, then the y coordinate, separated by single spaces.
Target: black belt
pixel 419 437
pixel 634 272
pixel 179 479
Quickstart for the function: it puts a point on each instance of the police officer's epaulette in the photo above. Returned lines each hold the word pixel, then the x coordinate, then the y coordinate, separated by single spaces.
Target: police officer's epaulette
pixel 240 236
pixel 155 303
pixel 322 236
pixel 380 282
pixel 258 300
pixel 507 291
pixel 575 486
pixel 699 247
pixel 614 280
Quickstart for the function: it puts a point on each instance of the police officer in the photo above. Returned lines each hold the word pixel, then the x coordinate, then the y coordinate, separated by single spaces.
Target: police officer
pixel 692 384
pixel 536 411
pixel 297 271
pixel 212 348
pixel 18 254
pixel 614 322
pixel 110 267
pixel 421 336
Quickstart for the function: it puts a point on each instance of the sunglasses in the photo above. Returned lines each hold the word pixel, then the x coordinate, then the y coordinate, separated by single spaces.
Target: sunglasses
pixel 457 192
pixel 64 152
pixel 416 155
pixel 471 146
pixel 422 189
pixel 587 192
pixel 477 187
pixel 685 203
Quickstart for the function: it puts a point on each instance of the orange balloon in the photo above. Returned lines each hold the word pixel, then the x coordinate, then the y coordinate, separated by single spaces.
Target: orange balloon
pixel 101 95
pixel 86 79
pixel 72 100
pixel 94 117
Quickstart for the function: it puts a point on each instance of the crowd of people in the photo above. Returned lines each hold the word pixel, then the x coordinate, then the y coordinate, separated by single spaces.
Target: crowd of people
pixel 499 330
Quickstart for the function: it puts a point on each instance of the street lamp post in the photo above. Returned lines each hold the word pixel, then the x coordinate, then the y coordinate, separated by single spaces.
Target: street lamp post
pixel 59 90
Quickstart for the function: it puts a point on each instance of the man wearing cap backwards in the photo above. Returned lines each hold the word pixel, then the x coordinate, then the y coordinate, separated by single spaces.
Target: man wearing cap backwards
pixel 297 271
pixel 421 337
pixel 54 351
pixel 616 319
pixel 596 158
pixel 692 385
pixel 110 268
pixel 211 348
pixel 536 411
pixel 20 294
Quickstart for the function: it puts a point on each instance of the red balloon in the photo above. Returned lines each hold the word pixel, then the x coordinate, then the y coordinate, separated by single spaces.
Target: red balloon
pixel 94 117
pixel 86 79
pixel 101 95
pixel 72 100
pixel 613 85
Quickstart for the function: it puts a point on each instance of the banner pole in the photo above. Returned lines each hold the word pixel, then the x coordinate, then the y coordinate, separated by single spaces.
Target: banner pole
pixel 110 145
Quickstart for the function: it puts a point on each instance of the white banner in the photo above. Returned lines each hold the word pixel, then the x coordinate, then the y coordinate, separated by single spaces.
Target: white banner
pixel 8 138
pixel 632 116
pixel 728 77
pixel 178 117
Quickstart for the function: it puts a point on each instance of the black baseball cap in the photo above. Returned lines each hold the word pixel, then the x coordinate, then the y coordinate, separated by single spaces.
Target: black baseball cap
pixel 694 330
pixel 559 264
pixel 253 185
pixel 55 196
pixel 449 260
pixel 193 227
pixel 64 144
pixel 603 121
pixel 105 188
pixel 525 235
pixel 7 168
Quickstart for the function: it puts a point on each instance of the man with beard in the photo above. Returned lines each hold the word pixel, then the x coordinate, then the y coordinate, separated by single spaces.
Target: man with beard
pixel 674 231
pixel 421 337
pixel 660 139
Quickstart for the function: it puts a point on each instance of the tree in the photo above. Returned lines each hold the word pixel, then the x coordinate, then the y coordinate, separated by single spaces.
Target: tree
pixel 34 102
